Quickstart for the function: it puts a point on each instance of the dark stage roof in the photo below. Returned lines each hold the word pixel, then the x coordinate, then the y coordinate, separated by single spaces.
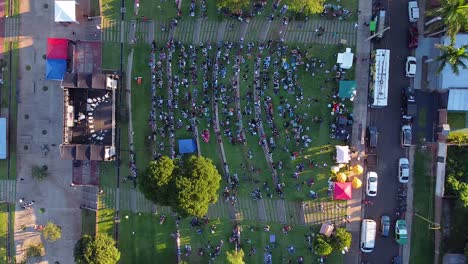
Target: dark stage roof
pixel 89 125
pixel 88 81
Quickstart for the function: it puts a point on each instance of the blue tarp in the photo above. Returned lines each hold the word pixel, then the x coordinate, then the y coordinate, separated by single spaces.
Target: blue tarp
pixel 347 89
pixel 55 69
pixel 187 146
pixel 3 138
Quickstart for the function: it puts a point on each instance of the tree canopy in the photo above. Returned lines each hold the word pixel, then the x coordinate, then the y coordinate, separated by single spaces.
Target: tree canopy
pixel 456 181
pixel 98 250
pixel 453 56
pixel 189 185
pixel 235 257
pixel 321 246
pixel 454 14
pixel 156 183
pixel 306 7
pixel 341 239
pixel 234 6
pixel 52 232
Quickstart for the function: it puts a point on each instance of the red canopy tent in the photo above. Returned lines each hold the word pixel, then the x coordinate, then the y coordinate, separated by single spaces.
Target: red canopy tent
pixel 342 191
pixel 57 48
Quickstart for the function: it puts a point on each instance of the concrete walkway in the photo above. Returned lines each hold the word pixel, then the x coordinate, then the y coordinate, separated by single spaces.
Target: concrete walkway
pixel 44 126
pixel 362 54
pixel 128 98
pixel 206 30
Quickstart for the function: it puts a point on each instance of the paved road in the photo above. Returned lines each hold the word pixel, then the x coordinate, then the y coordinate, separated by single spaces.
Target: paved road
pixel 387 121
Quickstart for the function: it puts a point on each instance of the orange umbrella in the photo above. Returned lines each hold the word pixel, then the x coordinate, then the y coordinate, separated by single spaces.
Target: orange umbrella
pixel 356 183
pixel 341 177
pixel 357 169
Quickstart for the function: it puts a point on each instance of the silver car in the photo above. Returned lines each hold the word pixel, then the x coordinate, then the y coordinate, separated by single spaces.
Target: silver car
pixel 385 225
pixel 403 170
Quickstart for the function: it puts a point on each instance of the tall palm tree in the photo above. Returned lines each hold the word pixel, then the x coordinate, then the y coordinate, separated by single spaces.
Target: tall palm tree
pixel 455 57
pixel 454 14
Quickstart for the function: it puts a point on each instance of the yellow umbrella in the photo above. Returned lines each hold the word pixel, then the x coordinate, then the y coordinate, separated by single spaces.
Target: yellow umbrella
pixel 356 183
pixel 357 169
pixel 335 169
pixel 341 177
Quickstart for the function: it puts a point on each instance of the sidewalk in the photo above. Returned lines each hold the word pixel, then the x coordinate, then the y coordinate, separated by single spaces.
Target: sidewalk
pixel 363 48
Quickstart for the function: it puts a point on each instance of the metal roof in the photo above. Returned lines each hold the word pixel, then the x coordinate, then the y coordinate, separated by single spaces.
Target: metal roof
pixel 448 79
pixel 458 100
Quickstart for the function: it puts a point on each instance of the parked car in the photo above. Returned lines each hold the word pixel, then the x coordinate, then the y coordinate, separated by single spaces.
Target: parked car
pixel 413 11
pixel 413 40
pixel 406 135
pixel 403 170
pixel 401 233
pixel 371 187
pixel 410 66
pixel 372 137
pixel 408 94
pixel 385 225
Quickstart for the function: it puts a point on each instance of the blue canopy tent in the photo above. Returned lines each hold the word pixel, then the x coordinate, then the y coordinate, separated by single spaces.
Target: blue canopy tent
pixel 55 69
pixel 347 89
pixel 187 146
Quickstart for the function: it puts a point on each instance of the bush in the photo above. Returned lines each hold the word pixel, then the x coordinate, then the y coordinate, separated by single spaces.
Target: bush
pixel 458 138
pixel 52 232
pixel 34 251
pixel 39 173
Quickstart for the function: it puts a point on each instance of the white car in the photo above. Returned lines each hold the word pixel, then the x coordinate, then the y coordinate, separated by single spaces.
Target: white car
pixel 410 66
pixel 403 170
pixel 406 136
pixel 371 187
pixel 413 11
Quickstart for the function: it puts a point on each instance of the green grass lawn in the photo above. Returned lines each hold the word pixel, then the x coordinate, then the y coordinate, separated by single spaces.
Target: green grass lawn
pixel 111 55
pixel 457 120
pixel 252 172
pixel 3 233
pixel 105 221
pixel 88 222
pixel 164 10
pixel 143 239
pixel 422 238
pixel 13 113
pixel 141 105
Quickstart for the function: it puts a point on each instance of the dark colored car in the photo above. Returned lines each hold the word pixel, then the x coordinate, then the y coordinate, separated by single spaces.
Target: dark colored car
pixel 408 95
pixel 372 137
pixel 413 37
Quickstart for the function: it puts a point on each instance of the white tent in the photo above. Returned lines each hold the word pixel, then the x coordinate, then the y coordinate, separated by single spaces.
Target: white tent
pixel 65 11
pixel 345 59
pixel 342 154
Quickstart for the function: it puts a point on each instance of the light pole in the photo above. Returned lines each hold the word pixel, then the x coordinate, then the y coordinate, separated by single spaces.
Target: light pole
pixel 377 33
pixel 436 225
pixel 438 18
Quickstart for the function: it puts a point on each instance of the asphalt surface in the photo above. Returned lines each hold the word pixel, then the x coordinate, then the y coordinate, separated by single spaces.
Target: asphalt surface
pixel 387 121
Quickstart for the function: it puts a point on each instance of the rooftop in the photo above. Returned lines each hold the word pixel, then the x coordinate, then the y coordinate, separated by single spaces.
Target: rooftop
pixel 448 79
pixel 89 116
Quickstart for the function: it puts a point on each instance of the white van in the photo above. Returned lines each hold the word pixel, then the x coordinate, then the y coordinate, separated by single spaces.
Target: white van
pixel 381 24
pixel 413 11
pixel 368 232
